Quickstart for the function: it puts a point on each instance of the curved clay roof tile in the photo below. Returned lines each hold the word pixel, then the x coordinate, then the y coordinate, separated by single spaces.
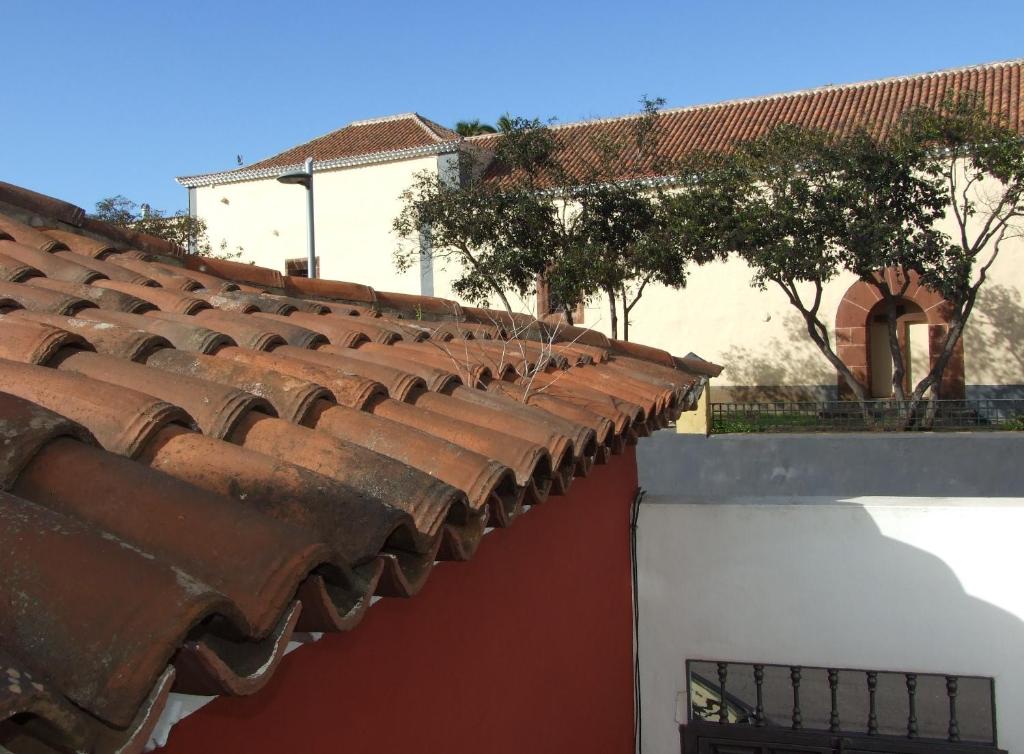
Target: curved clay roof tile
pixel 112 271
pixel 42 300
pixel 122 420
pixel 454 360
pixel 104 638
pixel 27 235
pixel 33 342
pixel 16 271
pixel 476 475
pixel 246 331
pixel 328 290
pixel 291 398
pixel 530 462
pixel 114 340
pixel 339 330
pixel 185 336
pixel 400 384
pixel 162 298
pixel 209 282
pixel 34 426
pixel 432 504
pixel 216 408
pixel 347 389
pixel 29 695
pixel 156 512
pixel 238 272
pixel 622 413
pixel 583 438
pixel 288 493
pixel 104 298
pixel 310 306
pixel 436 379
pixel 51 265
pixel 165 278
pixel 81 245
pixel 602 427
pixel 226 301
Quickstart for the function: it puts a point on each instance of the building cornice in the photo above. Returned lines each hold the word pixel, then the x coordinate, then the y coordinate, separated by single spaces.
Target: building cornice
pixel 243 174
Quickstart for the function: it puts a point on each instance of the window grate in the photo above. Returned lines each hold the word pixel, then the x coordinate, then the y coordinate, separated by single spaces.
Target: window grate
pixel 760 705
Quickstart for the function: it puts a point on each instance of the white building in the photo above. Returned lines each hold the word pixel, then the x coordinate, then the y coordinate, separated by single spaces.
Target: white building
pixel 362 169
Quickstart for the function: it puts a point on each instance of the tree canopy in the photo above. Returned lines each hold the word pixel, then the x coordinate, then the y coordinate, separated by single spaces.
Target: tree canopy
pixel 802 206
pixel 583 230
pixel 180 228
pixel 473 128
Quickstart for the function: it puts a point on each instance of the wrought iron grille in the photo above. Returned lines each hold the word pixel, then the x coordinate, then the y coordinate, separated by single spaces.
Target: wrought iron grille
pixel 741 707
pixel 887 415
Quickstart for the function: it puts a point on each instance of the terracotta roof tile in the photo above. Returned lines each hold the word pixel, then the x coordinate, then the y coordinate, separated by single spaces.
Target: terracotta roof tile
pixel 331 454
pixel 367 137
pixel 875 105
pixel 51 265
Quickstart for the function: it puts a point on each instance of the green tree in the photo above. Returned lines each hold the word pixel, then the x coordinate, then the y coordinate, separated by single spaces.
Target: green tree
pixel 974 161
pixel 632 221
pixel 778 197
pixel 588 223
pixel 485 231
pixel 473 128
pixel 180 228
pixel 801 206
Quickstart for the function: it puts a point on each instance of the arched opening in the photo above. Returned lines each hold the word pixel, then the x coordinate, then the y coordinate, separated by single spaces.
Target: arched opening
pixel 912 336
pixel 922 323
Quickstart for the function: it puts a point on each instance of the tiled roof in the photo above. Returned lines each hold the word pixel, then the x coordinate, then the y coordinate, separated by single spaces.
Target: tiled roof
pixel 202 457
pixel 876 105
pixel 407 134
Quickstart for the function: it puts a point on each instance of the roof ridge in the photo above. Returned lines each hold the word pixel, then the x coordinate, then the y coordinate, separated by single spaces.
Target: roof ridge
pixel 248 171
pixel 422 123
pixel 778 95
pixel 381 119
pixel 437 129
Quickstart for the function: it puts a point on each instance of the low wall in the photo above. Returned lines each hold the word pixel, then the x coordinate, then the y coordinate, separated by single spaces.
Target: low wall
pixel 965 464
pixel 525 648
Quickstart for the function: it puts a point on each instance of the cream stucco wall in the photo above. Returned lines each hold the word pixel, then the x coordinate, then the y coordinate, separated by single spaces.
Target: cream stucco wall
pixel 354 208
pixel 757 335
pixel 761 339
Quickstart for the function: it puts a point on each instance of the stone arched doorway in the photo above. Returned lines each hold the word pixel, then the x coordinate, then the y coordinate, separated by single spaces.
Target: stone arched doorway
pixel 922 324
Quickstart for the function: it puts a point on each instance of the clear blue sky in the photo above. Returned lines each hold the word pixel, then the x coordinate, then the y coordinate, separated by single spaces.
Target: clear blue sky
pixel 103 98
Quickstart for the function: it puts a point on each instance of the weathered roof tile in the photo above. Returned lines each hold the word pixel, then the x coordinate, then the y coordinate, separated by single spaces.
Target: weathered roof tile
pixel 263 455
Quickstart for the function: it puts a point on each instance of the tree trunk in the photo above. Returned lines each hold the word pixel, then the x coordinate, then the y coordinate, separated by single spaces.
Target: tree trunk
pixel 627 308
pixel 625 315
pixel 493 283
pixel 819 336
pixel 899 367
pixel 817 332
pixel 610 292
pixel 567 311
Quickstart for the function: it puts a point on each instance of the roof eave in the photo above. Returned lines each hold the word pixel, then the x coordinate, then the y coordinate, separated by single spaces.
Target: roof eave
pixel 240 176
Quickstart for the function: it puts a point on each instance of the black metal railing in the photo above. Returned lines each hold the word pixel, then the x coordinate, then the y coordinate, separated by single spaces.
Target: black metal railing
pixel 753 705
pixel 850 416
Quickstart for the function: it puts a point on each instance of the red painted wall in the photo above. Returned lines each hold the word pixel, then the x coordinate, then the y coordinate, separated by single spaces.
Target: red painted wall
pixel 525 649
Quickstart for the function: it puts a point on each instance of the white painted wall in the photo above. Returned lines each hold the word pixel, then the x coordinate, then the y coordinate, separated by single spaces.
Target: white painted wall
pixel 906 584
pixel 354 209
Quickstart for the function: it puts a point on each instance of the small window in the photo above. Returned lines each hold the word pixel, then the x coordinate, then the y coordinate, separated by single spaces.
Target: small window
pixel 299 267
